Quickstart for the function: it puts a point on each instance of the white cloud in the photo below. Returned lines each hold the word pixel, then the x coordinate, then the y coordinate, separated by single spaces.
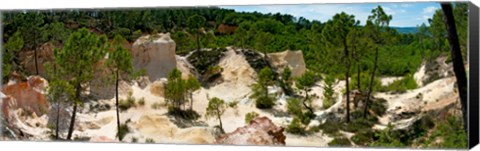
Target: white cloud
pixel 405 5
pixel 429 10
pixel 389 11
pixel 403 11
pixel 319 12
pixel 426 17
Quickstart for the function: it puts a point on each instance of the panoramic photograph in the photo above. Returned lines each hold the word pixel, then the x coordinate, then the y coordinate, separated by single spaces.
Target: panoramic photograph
pixel 321 75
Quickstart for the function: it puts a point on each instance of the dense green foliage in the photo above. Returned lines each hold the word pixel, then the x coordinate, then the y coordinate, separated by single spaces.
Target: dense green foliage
pixel 277 32
pixel 340 142
pixel 178 92
pixel 260 94
pixel 452 133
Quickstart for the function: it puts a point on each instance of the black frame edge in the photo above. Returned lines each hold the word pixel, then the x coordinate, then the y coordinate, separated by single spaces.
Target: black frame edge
pixel 473 105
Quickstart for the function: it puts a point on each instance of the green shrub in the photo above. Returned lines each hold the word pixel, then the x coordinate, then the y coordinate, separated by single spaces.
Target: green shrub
pixel 264 102
pixel 363 138
pixel 387 138
pixel 134 139
pixel 340 141
pixel 124 130
pixel 328 93
pixel 330 127
pixel 233 104
pixel 402 85
pixel 450 131
pixel 141 102
pixel 378 106
pixel 421 126
pixel 356 114
pixel 294 106
pixel 149 140
pixel 306 117
pixel 128 103
pixel 250 116
pixel 296 127
pixel 156 106
pixel 364 82
pixel 358 125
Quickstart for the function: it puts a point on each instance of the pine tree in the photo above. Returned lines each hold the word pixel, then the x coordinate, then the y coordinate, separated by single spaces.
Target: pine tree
pixel 195 23
pixel 377 26
pixel 76 62
pixel 192 85
pixel 120 63
pixel 335 33
pixel 260 89
pixel 216 108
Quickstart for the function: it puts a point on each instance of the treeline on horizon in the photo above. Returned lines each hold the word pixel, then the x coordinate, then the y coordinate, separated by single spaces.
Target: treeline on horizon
pixel 264 32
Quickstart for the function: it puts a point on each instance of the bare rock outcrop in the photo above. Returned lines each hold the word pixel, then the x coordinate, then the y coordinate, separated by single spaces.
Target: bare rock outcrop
pixel 44 55
pixel 102 139
pixel 155 54
pixel 28 95
pixel 292 59
pixel 260 131
pixel 157 88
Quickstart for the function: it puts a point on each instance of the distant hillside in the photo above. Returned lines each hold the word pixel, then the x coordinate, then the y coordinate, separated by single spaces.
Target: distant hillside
pixel 406 30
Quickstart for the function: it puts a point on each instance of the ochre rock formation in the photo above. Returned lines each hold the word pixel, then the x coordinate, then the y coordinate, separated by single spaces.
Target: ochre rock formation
pixel 28 95
pixel 155 54
pixel 260 131
pixel 44 55
pixel 226 29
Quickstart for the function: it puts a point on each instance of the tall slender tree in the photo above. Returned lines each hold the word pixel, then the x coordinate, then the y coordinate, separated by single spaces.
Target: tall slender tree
pixel 335 34
pixel 196 23
pixel 120 63
pixel 76 61
pixel 33 28
pixel 456 54
pixel 377 24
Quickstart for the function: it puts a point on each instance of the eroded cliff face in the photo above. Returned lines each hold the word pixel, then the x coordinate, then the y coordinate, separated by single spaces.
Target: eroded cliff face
pixel 44 55
pixel 28 95
pixel 155 54
pixel 260 131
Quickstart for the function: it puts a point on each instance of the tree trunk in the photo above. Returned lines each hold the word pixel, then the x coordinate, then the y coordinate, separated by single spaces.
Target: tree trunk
pixel 358 84
pixel 35 52
pixel 191 100
pixel 347 74
pixel 372 77
pixel 305 100
pixel 116 104
pixel 456 55
pixel 74 112
pixel 358 77
pixel 198 41
pixel 58 121
pixel 220 119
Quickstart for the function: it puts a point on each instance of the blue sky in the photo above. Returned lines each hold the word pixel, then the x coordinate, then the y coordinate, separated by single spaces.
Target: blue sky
pixel 404 14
